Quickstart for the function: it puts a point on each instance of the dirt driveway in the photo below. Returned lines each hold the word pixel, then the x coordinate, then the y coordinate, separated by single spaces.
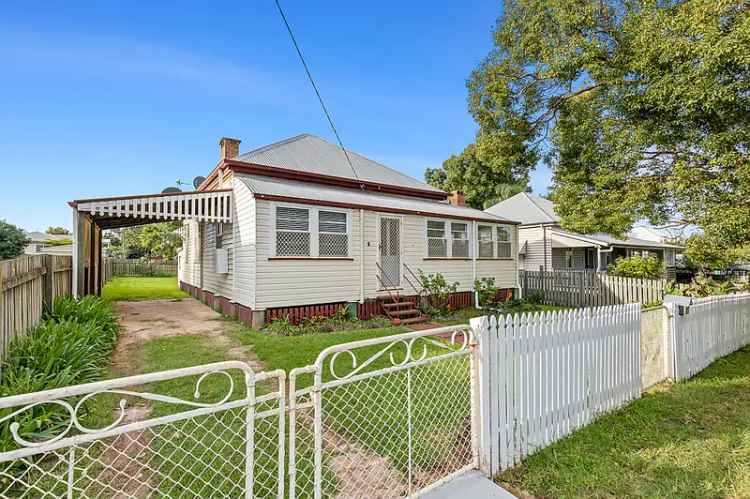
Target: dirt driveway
pixel 142 321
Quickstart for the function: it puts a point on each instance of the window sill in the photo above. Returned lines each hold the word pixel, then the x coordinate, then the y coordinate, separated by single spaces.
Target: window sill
pixel 459 259
pixel 339 258
pixel 497 259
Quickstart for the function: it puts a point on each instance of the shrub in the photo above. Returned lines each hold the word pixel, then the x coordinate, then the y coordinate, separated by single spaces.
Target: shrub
pixel 70 347
pixel 438 290
pixel 703 286
pixel 637 266
pixel 487 291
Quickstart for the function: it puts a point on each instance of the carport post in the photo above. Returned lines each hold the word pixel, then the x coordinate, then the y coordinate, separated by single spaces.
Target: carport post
pixel 78 253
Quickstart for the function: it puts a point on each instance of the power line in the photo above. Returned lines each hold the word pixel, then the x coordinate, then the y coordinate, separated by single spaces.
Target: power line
pixel 317 92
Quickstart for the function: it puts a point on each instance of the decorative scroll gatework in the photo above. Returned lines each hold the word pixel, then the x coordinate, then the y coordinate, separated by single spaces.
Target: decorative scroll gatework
pixel 402 350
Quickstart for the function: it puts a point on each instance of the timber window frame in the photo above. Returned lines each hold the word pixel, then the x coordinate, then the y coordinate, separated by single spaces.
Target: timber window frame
pixel 447 239
pixel 494 242
pixel 325 233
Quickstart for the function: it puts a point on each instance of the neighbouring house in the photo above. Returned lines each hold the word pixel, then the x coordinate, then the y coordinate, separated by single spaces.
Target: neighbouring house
pixel 293 229
pixel 41 243
pixel 545 245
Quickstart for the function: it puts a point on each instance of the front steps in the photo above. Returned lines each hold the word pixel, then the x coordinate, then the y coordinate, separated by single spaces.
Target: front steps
pixel 403 312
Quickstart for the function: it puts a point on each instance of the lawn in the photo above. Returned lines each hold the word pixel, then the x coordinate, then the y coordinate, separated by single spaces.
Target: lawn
pixel 142 288
pixel 690 439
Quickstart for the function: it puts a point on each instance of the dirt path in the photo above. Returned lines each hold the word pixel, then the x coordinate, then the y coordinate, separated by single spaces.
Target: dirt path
pixel 140 322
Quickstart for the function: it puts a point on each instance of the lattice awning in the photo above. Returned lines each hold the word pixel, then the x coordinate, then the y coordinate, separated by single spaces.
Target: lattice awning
pixel 211 206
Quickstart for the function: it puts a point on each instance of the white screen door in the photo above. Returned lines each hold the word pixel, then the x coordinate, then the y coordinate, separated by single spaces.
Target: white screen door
pixel 390 251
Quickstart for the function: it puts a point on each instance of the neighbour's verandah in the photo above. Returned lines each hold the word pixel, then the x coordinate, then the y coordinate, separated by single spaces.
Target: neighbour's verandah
pixel 92 216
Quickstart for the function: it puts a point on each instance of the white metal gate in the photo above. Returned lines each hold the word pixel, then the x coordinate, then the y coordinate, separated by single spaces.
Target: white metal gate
pixel 103 440
pixel 390 251
pixel 384 417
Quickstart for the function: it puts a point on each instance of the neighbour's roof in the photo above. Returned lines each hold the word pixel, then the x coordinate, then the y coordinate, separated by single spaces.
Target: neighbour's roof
pixel 312 154
pixel 309 193
pixel 526 207
pixel 604 239
pixel 43 236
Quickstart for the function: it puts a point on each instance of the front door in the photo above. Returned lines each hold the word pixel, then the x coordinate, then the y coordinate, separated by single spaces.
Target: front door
pixel 390 252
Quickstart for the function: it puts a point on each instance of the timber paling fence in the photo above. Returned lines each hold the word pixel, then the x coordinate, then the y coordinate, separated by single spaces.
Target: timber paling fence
pixel 710 328
pixel 580 288
pixel 29 285
pixel 120 267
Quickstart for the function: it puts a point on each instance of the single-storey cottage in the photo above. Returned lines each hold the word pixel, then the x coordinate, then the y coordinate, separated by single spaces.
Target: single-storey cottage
pixel 301 227
pixel 545 245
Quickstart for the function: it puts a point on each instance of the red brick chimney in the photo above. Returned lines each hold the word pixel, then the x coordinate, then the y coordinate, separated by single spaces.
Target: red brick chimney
pixel 457 198
pixel 230 148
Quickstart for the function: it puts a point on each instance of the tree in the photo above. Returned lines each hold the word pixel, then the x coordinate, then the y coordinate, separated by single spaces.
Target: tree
pixel 710 254
pixel 150 241
pixel 12 240
pixel 483 184
pixel 60 231
pixel 642 108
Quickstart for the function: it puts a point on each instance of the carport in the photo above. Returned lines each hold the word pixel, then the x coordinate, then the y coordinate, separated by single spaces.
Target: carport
pixel 92 216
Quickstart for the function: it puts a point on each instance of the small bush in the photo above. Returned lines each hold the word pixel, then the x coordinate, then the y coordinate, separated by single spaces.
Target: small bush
pixel 637 266
pixel 438 291
pixel 487 291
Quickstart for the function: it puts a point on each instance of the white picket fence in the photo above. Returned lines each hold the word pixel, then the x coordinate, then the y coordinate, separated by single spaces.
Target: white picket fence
pixel 708 329
pixel 544 375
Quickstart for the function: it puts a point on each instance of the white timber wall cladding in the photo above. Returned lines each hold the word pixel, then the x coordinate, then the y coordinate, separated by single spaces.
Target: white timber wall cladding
pixel 291 281
pixel 244 244
pixel 544 375
pixel 536 251
pixel 710 328
pixel 217 283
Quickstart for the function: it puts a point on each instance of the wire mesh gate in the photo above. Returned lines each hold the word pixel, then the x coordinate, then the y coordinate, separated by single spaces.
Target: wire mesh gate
pixel 102 440
pixel 386 417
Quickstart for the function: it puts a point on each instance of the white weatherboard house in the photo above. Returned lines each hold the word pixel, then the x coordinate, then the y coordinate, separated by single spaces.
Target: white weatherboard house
pixel 545 245
pixel 292 229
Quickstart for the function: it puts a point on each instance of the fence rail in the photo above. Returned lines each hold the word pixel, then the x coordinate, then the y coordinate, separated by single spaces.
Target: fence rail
pixel 577 288
pixel 544 375
pixel 708 329
pixel 118 267
pixel 28 285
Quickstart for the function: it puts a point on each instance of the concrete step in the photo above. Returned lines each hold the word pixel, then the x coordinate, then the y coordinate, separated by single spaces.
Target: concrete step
pixel 472 485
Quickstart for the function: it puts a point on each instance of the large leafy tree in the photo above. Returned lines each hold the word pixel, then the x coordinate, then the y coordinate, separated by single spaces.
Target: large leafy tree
pixel 12 240
pixel 642 108
pixel 483 184
pixel 159 240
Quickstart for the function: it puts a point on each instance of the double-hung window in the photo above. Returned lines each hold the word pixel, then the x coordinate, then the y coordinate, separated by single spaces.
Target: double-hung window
pixel 333 239
pixel 485 241
pixel 504 244
pixel 437 243
pixel 459 240
pixel 292 231
pixel 311 232
pixel 494 241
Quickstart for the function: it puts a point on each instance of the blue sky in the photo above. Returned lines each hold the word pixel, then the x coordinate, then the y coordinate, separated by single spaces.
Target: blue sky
pixel 107 98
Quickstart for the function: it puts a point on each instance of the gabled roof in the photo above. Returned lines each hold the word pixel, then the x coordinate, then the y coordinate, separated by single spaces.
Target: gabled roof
pixel 526 207
pixel 293 191
pixel 310 154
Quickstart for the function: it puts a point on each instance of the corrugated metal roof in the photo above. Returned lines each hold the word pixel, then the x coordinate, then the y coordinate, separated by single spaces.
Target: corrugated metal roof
pixel 527 208
pixel 321 193
pixel 608 240
pixel 312 154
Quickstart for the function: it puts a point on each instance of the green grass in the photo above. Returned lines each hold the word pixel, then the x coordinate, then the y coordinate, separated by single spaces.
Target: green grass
pixel 690 439
pixel 142 288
